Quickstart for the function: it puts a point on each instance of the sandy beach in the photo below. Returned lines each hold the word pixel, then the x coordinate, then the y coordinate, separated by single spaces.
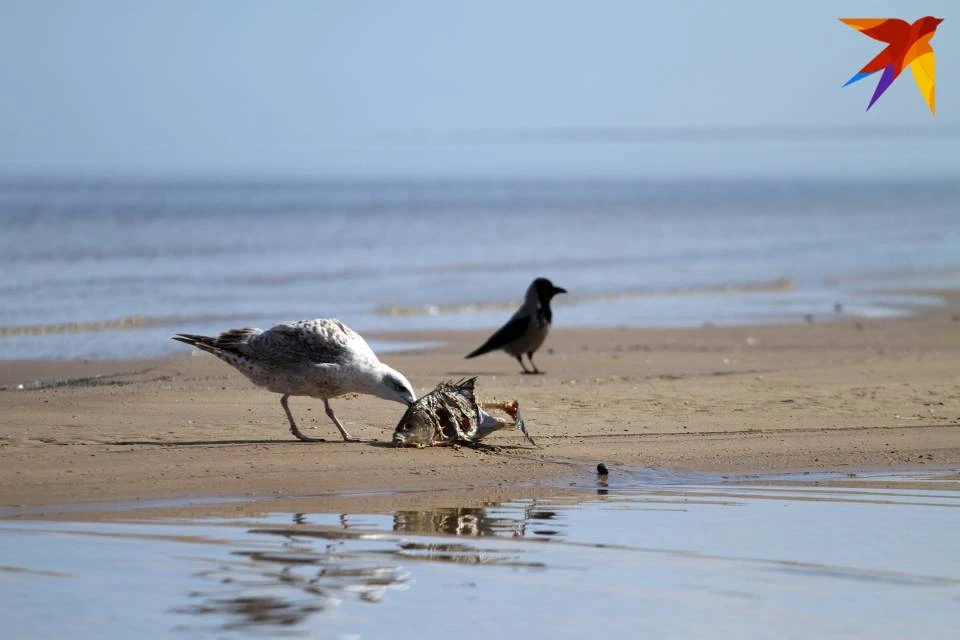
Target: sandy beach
pixel 848 394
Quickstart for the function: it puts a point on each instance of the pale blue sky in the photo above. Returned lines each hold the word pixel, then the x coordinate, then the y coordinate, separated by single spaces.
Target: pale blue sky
pixel 353 88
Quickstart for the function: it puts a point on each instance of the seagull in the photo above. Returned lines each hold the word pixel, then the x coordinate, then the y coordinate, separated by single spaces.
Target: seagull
pixel 317 358
pixel 527 329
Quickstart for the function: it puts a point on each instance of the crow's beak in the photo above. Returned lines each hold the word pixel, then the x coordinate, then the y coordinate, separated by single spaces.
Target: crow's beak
pixel 557 290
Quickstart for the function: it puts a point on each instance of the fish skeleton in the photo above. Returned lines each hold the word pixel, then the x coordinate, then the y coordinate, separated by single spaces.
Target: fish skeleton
pixel 450 414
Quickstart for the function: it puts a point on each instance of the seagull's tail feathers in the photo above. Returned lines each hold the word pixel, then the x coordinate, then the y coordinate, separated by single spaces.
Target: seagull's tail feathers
pixel 228 346
pixel 204 343
pixel 228 341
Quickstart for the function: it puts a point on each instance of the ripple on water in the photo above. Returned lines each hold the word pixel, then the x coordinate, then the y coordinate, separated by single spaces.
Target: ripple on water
pixel 868 556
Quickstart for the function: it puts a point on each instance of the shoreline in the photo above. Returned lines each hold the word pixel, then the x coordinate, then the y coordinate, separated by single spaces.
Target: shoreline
pixel 851 394
pixel 578 488
pixel 121 339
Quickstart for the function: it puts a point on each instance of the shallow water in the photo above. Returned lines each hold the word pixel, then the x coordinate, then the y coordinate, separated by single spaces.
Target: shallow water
pixel 642 555
pixel 110 269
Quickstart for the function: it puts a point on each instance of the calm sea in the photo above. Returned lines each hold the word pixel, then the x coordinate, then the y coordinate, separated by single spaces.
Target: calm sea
pixel 111 269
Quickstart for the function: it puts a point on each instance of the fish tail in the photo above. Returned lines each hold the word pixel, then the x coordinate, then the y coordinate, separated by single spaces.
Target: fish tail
pixel 512 409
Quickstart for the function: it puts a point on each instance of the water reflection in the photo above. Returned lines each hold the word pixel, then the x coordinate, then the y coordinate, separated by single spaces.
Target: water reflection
pixel 245 611
pixel 509 520
pixel 635 555
pixel 307 574
pixel 318 567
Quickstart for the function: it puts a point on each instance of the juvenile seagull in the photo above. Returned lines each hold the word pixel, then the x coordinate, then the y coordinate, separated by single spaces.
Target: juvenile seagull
pixel 317 358
pixel 527 329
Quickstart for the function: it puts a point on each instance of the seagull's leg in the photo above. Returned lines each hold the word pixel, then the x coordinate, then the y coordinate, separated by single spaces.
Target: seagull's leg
pixel 520 360
pixel 343 432
pixel 293 425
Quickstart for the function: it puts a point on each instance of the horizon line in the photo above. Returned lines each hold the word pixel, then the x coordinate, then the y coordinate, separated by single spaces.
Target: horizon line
pixel 679 134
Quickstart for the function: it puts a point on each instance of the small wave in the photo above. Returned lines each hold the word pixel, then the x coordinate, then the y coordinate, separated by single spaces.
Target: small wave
pixel 129 322
pixel 275 279
pixel 764 286
pixel 141 321
pixel 885 277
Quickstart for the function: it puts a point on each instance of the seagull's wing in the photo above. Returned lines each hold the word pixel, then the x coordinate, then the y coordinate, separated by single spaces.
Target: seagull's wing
pixel 508 333
pixel 301 344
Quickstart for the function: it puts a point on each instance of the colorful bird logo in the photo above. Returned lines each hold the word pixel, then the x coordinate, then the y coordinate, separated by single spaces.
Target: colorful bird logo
pixel 907 44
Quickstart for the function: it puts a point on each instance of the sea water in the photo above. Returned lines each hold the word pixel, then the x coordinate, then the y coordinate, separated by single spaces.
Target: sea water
pixel 94 269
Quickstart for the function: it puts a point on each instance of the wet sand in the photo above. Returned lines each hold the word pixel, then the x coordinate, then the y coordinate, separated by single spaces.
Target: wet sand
pixel 848 394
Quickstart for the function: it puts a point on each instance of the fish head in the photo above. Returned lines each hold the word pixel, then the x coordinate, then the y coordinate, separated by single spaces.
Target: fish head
pixel 414 430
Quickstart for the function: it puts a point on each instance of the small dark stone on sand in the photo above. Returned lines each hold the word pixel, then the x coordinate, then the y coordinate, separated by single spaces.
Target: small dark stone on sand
pixel 602 469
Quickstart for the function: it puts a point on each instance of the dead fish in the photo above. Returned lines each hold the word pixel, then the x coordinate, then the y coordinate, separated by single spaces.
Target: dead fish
pixel 450 414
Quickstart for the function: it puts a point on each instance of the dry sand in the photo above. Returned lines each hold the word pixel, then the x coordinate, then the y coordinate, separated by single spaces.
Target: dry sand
pixel 842 395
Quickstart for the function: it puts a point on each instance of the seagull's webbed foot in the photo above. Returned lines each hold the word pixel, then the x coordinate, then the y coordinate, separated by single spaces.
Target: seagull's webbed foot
pixel 304 437
pixel 293 425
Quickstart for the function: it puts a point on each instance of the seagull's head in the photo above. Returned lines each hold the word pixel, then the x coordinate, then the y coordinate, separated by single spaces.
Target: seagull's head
pixel 392 385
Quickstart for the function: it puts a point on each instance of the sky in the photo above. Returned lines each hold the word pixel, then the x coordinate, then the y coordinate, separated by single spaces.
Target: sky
pixel 330 88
